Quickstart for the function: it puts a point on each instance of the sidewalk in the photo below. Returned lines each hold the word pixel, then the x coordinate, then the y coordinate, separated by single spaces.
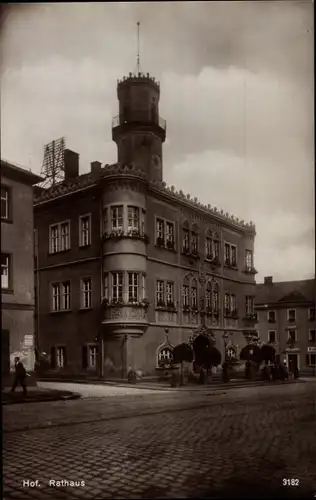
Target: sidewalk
pixel 216 385
pixel 35 395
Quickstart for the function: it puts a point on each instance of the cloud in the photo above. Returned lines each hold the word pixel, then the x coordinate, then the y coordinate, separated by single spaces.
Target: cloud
pixel 236 90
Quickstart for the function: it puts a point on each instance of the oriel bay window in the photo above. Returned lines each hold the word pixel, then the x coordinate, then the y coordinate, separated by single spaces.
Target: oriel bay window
pixel 133 219
pixel 117 286
pixel 133 287
pixel 248 260
pixel 117 218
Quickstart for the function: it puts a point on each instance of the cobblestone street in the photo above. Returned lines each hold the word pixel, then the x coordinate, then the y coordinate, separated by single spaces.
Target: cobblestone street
pixel 242 443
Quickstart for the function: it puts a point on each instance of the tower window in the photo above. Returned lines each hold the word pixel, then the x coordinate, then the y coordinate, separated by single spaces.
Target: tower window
pixel 153 113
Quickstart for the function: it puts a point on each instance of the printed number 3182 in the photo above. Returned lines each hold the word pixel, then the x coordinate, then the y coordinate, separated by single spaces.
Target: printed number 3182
pixel 291 482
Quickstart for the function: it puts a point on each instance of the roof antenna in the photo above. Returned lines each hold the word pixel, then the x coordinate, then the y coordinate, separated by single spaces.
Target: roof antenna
pixel 138 64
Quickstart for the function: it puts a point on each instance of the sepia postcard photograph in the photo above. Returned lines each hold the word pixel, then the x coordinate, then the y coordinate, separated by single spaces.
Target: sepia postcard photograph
pixel 158 332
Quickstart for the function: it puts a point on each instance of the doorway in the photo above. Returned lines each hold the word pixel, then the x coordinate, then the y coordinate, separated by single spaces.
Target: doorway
pixel 293 362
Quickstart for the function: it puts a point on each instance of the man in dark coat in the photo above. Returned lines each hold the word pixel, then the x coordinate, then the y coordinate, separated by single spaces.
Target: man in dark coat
pixel 20 375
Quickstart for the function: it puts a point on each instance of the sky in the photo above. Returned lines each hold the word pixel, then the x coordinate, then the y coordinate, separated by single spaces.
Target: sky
pixel 236 90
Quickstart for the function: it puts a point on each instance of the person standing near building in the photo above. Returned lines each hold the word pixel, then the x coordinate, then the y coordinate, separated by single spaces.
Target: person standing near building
pixel 20 375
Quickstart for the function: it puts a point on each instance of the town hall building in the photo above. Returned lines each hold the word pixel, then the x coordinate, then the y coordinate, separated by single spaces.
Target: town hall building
pixel 127 267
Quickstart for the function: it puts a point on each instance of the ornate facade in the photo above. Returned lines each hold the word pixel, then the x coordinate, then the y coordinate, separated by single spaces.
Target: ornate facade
pixel 122 258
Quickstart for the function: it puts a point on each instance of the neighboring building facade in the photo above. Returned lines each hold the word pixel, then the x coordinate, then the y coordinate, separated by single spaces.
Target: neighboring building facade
pixel 17 265
pixel 127 267
pixel 286 320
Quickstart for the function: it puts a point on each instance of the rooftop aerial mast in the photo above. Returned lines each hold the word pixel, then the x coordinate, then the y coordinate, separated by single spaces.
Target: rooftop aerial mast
pixel 53 167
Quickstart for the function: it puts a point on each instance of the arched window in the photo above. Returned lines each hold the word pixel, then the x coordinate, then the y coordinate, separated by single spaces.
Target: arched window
pixel 164 357
pixel 215 297
pixel 208 296
pixel 194 298
pixel 194 239
pixel 186 293
pixel 185 237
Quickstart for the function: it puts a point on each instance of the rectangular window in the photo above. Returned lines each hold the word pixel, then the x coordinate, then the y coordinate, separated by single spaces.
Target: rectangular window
pixel 185 293
pixel 271 316
pixel 54 239
pixel 311 314
pixel 5 271
pixel 312 336
pixel 312 359
pixel 86 293
pixel 65 295
pixel 292 335
pixel 117 218
pixel 106 286
pixel 208 297
pixel 250 303
pixel 248 260
pixel 92 356
pixel 271 336
pixel 186 240
pixel 133 219
pixel 194 243
pixel 169 233
pixel 61 357
pixel 56 297
pixel 64 236
pixel 160 293
pixel 233 256
pixel 170 293
pixel 105 221
pixel 117 287
pixel 227 254
pixel 160 237
pixel 133 287
pixel 85 230
pixel 5 207
pixel 291 314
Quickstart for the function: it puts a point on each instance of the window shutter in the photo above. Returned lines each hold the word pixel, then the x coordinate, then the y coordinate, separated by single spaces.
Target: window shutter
pixel 307 359
pixel 53 357
pixel 65 356
pixel 84 357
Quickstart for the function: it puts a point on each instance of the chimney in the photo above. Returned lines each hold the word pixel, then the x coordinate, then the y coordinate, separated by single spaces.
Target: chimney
pixel 268 280
pixel 71 162
pixel 96 167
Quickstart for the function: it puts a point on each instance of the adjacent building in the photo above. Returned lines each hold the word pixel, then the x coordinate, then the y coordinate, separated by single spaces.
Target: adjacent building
pixel 127 267
pixel 17 265
pixel 286 320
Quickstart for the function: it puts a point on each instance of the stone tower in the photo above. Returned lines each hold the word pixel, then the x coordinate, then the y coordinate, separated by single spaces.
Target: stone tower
pixel 138 130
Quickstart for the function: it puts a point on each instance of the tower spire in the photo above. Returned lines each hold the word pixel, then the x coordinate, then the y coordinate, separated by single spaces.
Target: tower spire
pixel 138 63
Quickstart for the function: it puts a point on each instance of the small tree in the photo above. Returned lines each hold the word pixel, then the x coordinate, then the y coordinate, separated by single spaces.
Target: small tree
pixel 181 353
pixel 267 353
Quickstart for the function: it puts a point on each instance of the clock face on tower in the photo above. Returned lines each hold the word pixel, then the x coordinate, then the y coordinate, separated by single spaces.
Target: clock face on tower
pixel 156 161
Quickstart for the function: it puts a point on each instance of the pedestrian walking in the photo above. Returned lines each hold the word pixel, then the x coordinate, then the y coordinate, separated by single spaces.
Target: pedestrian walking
pixel 20 375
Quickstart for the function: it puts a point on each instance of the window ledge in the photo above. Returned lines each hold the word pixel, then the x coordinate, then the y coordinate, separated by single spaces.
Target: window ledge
pixel 230 266
pixel 7 290
pixel 61 311
pixel 7 221
pixel 163 247
pixel 82 309
pixel 85 246
pixel 59 252
pixel 166 309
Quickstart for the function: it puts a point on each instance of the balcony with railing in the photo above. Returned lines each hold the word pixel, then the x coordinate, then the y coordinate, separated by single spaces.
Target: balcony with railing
pixel 139 117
